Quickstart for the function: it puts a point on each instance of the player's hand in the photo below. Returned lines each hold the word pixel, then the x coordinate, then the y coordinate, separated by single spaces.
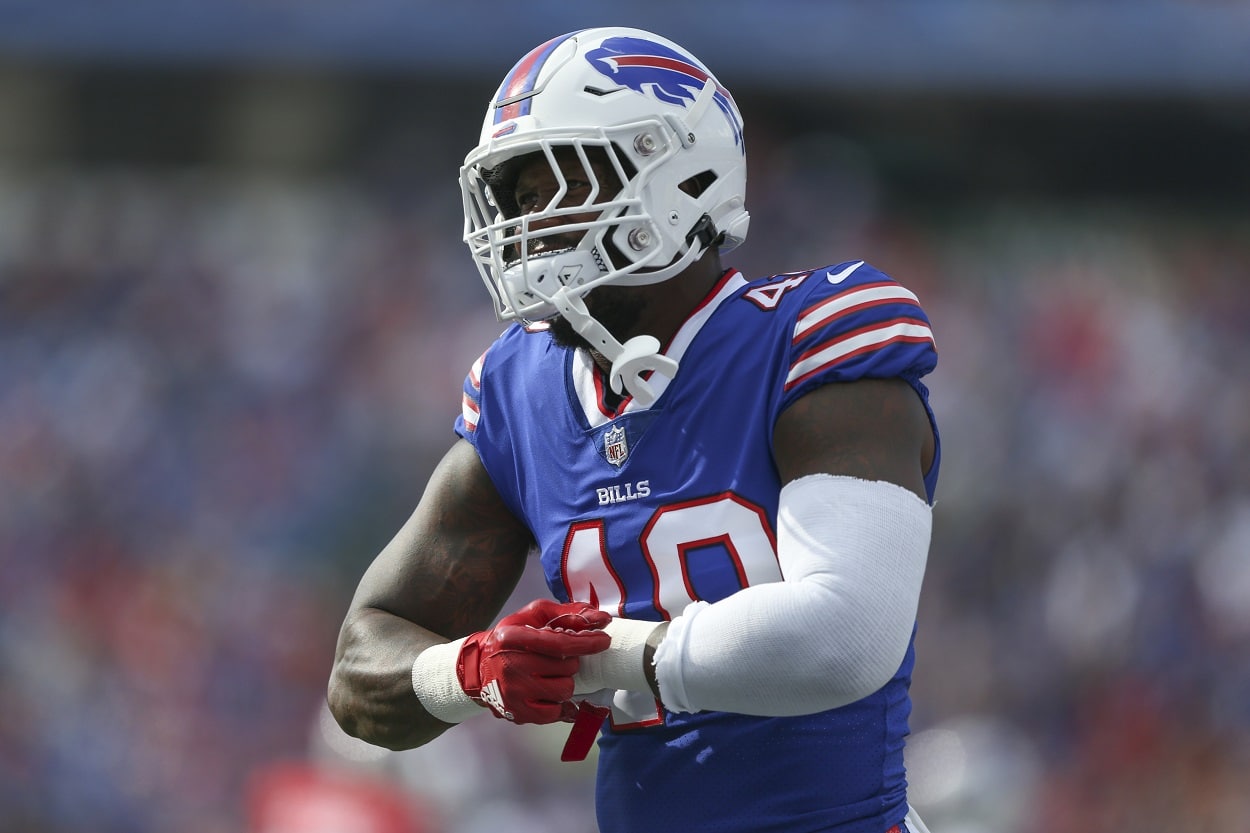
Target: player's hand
pixel 523 667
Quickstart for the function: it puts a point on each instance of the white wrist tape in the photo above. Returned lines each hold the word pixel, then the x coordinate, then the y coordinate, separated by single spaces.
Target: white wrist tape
pixel 437 685
pixel 834 630
pixel 620 666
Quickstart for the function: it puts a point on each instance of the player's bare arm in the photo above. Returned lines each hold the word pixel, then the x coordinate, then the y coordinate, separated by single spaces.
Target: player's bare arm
pixel 446 573
pixel 874 429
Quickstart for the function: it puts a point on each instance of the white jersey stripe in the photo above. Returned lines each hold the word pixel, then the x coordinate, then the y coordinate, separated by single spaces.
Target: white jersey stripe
pixel 468 404
pixel 587 393
pixel 469 409
pixel 475 372
pixel 840 349
pixel 845 302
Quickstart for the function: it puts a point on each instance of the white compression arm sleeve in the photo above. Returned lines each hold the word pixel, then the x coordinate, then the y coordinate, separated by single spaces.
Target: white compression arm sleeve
pixel 833 631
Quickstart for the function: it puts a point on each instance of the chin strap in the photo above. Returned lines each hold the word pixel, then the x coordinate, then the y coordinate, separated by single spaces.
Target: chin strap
pixel 638 355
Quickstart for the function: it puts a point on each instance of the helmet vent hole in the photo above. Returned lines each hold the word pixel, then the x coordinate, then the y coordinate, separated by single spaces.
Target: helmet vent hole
pixel 697 184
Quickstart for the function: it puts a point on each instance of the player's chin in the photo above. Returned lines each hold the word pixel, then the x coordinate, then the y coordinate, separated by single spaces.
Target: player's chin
pixel 618 308
pixel 563 334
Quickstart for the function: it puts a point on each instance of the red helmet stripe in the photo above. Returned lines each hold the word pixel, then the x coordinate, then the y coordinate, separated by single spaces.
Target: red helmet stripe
pixel 521 80
pixel 658 61
pixel 669 63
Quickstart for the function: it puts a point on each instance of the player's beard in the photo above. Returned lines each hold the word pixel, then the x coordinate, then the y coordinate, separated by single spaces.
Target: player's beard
pixel 618 308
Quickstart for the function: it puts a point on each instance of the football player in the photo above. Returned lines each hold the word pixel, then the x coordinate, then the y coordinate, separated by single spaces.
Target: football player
pixel 728 480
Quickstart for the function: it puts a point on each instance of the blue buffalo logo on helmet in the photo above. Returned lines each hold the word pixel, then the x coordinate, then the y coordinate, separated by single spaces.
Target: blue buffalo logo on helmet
pixel 666 74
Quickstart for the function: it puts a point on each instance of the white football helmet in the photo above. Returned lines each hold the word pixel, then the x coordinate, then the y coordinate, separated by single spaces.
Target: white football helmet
pixel 640 106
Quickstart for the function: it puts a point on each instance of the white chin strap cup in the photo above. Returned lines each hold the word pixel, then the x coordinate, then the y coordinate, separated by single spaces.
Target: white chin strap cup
pixel 639 355
pixel 629 361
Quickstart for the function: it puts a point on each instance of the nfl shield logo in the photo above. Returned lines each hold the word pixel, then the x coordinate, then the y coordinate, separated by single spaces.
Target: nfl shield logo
pixel 615 449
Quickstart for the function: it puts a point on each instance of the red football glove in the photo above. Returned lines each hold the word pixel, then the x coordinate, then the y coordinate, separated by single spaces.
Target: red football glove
pixel 523 667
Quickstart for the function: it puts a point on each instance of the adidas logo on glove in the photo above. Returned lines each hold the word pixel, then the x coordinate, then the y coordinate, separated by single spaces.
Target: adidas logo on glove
pixel 492 697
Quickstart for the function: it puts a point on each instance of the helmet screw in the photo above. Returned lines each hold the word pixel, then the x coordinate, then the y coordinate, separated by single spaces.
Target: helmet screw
pixel 673 218
pixel 690 138
pixel 639 239
pixel 645 144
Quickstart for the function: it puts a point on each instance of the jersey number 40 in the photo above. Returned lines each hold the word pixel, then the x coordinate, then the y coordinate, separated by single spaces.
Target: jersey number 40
pixel 723 538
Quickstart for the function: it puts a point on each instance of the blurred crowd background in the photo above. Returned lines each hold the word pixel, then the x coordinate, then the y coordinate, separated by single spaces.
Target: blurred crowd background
pixel 235 314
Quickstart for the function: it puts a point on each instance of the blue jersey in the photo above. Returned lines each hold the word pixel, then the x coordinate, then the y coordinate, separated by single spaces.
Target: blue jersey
pixel 642 511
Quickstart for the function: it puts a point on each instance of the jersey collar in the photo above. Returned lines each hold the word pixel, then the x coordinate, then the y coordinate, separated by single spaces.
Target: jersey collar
pixel 590 384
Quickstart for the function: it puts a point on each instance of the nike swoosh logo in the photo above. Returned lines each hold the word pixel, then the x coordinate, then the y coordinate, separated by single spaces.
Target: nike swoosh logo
pixel 838 277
